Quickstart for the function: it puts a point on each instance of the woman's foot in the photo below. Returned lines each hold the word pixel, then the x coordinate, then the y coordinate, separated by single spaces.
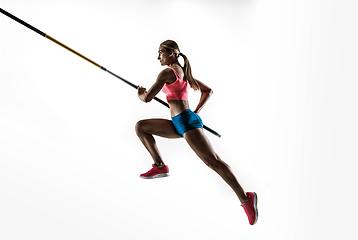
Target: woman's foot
pixel 156 172
pixel 250 208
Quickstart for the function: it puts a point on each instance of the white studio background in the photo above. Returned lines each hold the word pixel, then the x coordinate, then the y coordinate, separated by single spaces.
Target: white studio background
pixel 284 80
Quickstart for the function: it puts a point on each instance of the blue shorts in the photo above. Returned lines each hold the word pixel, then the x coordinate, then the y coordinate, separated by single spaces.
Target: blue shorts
pixel 186 121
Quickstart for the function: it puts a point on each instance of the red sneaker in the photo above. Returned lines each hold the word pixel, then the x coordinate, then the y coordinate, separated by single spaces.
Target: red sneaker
pixel 251 208
pixel 156 172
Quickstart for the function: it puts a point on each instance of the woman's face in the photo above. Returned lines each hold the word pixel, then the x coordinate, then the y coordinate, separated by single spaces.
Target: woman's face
pixel 164 57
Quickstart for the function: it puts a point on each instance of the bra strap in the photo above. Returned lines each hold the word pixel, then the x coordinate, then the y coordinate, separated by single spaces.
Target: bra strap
pixel 176 74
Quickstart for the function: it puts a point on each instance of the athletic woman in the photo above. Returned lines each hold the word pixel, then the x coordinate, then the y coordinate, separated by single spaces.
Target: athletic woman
pixel 185 123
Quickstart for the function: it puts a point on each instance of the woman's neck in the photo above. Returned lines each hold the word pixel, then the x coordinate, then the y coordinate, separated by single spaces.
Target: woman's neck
pixel 174 64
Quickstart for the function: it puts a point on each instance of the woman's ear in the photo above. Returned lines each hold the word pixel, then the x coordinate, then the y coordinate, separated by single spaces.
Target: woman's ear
pixel 171 53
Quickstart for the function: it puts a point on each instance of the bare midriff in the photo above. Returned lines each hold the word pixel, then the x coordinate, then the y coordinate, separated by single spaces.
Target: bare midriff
pixel 178 106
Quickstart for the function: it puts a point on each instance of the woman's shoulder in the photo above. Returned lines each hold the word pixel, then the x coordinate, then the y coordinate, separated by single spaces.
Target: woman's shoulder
pixel 167 75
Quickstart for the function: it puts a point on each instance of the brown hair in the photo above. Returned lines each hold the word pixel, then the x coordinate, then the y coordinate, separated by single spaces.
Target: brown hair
pixel 170 45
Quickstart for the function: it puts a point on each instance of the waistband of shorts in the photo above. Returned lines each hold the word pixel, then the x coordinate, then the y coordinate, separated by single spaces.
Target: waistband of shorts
pixel 188 111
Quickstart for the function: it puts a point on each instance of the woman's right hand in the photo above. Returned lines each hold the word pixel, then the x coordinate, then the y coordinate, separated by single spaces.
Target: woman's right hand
pixel 141 90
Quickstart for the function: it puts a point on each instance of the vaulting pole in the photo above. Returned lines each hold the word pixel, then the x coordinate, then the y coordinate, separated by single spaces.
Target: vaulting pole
pixel 87 59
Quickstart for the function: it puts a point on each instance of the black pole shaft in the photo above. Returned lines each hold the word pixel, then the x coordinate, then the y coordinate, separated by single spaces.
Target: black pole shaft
pixel 87 59
pixel 22 22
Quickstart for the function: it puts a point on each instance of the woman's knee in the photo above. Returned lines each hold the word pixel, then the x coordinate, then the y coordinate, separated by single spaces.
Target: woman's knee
pixel 218 165
pixel 213 162
pixel 140 127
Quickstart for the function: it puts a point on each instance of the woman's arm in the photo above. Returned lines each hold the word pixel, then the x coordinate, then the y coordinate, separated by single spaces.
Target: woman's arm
pixel 206 92
pixel 163 77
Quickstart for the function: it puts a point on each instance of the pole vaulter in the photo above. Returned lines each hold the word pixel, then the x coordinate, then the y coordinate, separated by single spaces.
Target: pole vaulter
pixel 87 59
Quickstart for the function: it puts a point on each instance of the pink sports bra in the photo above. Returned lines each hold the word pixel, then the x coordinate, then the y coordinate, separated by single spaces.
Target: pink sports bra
pixel 177 90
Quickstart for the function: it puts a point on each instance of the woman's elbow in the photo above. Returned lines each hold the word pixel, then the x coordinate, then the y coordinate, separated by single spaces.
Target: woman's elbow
pixel 209 92
pixel 144 98
pixel 147 99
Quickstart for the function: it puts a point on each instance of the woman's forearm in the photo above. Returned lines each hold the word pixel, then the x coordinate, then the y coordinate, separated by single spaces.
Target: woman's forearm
pixel 203 99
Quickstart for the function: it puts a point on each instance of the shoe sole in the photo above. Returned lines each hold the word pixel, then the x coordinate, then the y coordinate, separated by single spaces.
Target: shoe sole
pixel 157 176
pixel 255 206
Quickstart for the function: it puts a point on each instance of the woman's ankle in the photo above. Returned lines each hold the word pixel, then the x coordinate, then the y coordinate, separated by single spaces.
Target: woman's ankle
pixel 159 165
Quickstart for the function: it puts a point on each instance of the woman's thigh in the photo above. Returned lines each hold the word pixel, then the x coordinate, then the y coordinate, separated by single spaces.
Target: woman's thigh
pixel 157 126
pixel 201 145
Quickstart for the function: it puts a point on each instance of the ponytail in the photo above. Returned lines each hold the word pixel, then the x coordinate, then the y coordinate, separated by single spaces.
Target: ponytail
pixel 187 73
pixel 188 77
